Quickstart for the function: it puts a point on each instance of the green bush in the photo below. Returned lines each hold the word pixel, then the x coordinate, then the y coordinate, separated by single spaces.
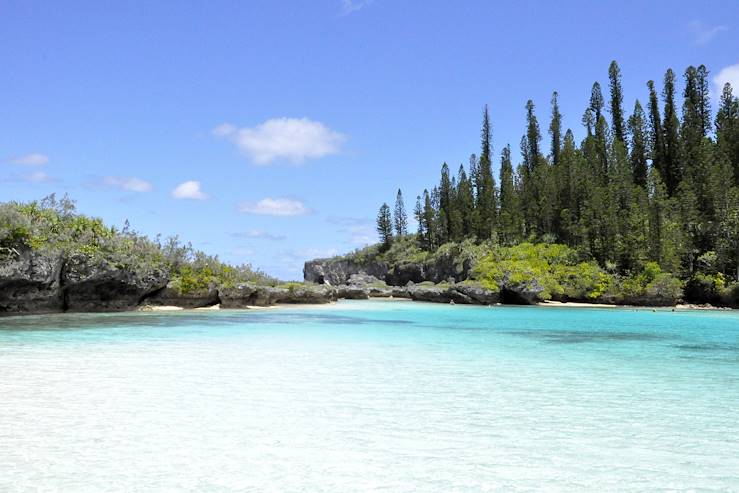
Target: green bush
pixel 556 268
pixel 651 286
pixel 52 225
pixel 705 288
pixel 730 296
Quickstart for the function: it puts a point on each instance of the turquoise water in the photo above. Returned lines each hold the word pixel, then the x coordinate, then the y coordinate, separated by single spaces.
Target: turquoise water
pixel 362 395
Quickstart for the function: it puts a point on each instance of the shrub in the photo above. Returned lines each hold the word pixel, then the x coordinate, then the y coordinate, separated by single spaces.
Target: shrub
pixel 53 225
pixel 705 288
pixel 665 288
pixel 553 268
pixel 730 296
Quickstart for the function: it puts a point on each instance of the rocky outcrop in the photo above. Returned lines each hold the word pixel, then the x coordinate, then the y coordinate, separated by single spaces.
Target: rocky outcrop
pixel 338 271
pixel 33 281
pixel 429 293
pixel 245 295
pixel 477 294
pixel 308 294
pixel 467 294
pixel 172 296
pixel 98 285
pixel 30 282
pixel 349 292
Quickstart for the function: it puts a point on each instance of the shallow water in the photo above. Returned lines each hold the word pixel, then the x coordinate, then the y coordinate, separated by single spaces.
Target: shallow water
pixel 364 395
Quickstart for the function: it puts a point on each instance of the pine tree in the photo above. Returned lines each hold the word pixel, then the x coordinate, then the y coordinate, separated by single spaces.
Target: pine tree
pixel 692 129
pixel 704 99
pixel 569 190
pixel 587 122
pixel 656 138
pixel 446 205
pixel 533 137
pixel 530 178
pixel 727 129
pixel 485 184
pixel 400 218
pixel 598 152
pixel 596 102
pixel 601 149
pixel 555 129
pixel 672 165
pixel 385 226
pixel 418 216
pixel 638 156
pixel 465 204
pixel 429 220
pixel 617 114
pixel 509 220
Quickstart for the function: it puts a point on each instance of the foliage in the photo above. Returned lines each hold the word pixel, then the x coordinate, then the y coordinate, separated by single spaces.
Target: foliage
pixel 52 225
pixel 556 268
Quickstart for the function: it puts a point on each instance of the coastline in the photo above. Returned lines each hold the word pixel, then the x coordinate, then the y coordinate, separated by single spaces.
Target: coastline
pixel 337 304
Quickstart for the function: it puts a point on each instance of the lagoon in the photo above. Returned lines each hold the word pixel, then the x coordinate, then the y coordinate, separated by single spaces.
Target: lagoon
pixel 371 395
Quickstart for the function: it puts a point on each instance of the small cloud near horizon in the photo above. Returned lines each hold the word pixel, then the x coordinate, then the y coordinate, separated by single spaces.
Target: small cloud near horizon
pixel 349 6
pixel 125 183
pixel 275 207
pixel 293 260
pixel 189 190
pixel 292 139
pixel 33 177
pixel 259 234
pixel 361 231
pixel 34 159
pixel 703 33
pixel 728 74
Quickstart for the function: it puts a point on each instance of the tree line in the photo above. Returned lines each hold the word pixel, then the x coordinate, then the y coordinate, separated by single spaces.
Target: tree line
pixel 660 185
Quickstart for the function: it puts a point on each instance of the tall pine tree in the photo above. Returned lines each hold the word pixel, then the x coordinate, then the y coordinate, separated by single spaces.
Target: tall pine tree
pixel 400 218
pixel 485 184
pixel 638 155
pixel 555 129
pixel 385 226
pixel 672 166
pixel 617 97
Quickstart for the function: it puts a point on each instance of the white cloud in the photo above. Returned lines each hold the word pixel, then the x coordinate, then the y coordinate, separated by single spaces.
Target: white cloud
pixel 349 6
pixel 224 130
pixel 728 74
pixel 275 207
pixel 292 139
pixel 259 234
pixel 297 257
pixel 362 235
pixel 360 231
pixel 189 190
pixel 36 177
pixel 243 252
pixel 311 253
pixel 30 160
pixel 126 183
pixel 703 33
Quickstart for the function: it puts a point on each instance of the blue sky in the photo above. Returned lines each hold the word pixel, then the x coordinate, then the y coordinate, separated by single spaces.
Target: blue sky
pixel 270 132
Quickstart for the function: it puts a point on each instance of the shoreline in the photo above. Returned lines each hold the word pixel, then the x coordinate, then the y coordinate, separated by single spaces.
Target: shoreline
pixel 171 309
pixel 335 303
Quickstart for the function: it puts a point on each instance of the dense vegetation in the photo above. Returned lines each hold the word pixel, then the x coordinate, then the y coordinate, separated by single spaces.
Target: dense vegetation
pixel 639 199
pixel 52 226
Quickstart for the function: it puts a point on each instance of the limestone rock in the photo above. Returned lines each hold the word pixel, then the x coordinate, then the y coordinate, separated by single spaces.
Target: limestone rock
pixel 98 285
pixel 30 283
pixel 172 296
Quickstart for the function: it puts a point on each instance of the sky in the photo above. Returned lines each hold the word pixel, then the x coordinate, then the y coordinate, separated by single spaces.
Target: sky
pixel 269 132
